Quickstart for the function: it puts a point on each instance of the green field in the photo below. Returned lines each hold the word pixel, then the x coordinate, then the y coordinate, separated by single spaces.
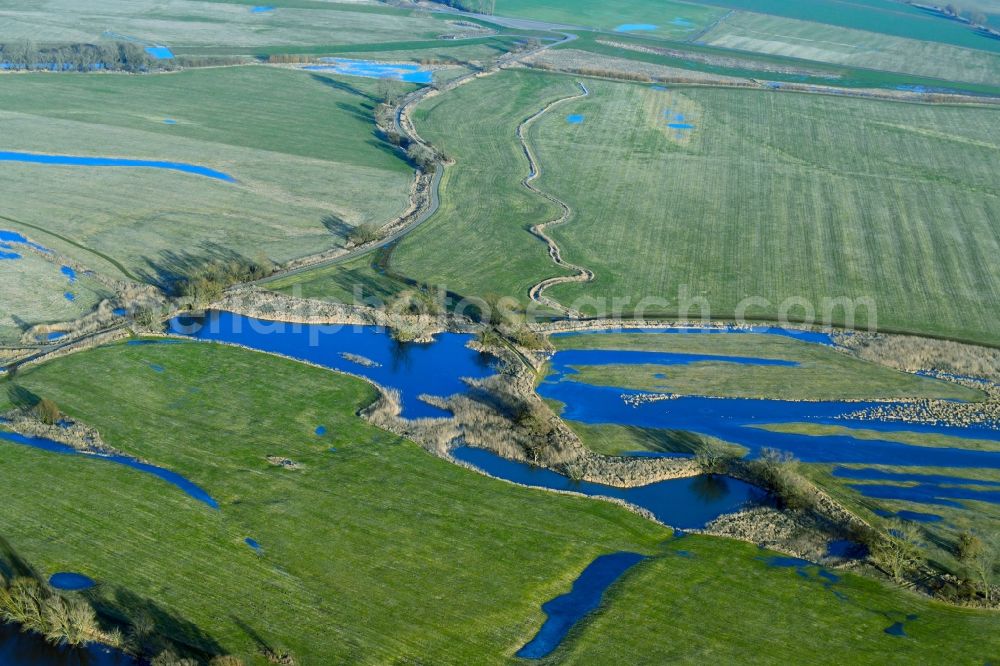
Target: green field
pixel 301 147
pixel 673 20
pixel 183 23
pixel 886 16
pixel 378 552
pixel 614 440
pixel 477 243
pixel 822 373
pixel 778 610
pixel 846 46
pixel 771 196
pixel 372 553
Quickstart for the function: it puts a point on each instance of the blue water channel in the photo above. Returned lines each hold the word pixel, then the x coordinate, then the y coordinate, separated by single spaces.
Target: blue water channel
pixel 566 610
pixel 413 369
pixel 685 503
pixel 733 420
pixel 172 478
pixel 73 160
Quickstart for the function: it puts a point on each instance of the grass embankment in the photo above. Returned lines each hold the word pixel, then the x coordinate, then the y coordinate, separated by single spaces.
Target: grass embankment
pixel 613 440
pixel 300 145
pixel 379 552
pixel 822 373
pixel 726 606
pixel 375 552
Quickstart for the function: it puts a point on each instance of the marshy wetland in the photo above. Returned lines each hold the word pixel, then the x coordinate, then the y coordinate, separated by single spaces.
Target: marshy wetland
pixel 498 332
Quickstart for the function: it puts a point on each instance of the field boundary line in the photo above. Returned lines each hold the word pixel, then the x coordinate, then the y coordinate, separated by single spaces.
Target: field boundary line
pixel 536 293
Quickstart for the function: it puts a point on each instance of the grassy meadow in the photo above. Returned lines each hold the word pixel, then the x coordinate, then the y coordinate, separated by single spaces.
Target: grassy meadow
pixel 477 242
pixel 191 23
pixel 885 16
pixel 372 552
pixel 770 195
pixel 673 20
pixel 301 146
pixel 375 551
pixel 847 46
pixel 822 373
pixel 728 605
pixel 779 196
pixel 33 291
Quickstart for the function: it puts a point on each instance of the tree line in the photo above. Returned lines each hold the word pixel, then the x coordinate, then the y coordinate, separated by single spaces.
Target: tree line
pixel 116 56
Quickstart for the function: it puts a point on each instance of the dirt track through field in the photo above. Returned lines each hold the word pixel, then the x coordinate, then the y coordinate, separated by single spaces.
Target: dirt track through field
pixel 537 292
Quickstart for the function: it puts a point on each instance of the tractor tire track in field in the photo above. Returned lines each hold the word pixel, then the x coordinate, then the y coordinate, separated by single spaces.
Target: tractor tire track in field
pixel 537 292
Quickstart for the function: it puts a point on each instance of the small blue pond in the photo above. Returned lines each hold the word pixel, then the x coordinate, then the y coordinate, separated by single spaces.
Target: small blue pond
pixel 169 121
pixel 72 582
pixel 413 369
pixel 55 335
pixel 409 72
pixel 636 27
pixel 18 648
pixel 164 474
pixel 9 256
pixel 7 238
pixel 261 9
pixel 320 431
pixel 69 296
pixel 71 160
pixel 566 610
pixel 160 52
pixel 69 273
pixel 680 125
pixel 253 544
pixel 684 503
pixel 574 118
pixel 896 629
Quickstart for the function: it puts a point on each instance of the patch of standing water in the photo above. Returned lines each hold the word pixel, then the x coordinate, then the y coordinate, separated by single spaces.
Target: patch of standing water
pixel 371 69
pixel 320 431
pixel 253 544
pixel 435 368
pixel 685 503
pixel 169 121
pixel 69 273
pixel 261 9
pixel 8 238
pixel 160 52
pixel 55 335
pixel 734 420
pixel 636 27
pixel 69 296
pixel 565 611
pixel 172 478
pixel 72 582
pixel 19 648
pixel 72 160
pixel 9 256
pixel 915 516
pixel 574 118
pixel 818 337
